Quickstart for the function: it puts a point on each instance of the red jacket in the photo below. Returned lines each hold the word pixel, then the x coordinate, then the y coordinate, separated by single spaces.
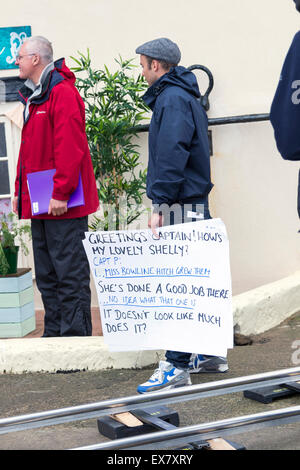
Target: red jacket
pixel 53 136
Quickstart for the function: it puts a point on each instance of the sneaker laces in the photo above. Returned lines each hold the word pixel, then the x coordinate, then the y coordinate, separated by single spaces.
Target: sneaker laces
pixel 158 373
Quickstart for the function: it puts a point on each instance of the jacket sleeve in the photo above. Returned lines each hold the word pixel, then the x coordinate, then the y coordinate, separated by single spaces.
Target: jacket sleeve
pixel 69 140
pixel 285 109
pixel 176 129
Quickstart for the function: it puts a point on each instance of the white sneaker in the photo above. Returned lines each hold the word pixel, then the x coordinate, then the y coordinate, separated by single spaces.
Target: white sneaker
pixel 166 376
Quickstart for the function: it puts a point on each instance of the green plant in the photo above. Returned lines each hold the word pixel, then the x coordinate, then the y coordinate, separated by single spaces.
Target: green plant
pixel 12 234
pixel 114 109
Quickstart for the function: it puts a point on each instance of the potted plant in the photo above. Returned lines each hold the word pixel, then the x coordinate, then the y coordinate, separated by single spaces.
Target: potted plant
pixel 114 110
pixel 12 238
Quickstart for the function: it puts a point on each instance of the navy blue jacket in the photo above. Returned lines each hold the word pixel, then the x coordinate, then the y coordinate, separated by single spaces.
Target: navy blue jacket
pixel 285 109
pixel 179 157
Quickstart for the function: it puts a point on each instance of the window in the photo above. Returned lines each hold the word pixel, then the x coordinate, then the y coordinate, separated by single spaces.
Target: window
pixel 9 149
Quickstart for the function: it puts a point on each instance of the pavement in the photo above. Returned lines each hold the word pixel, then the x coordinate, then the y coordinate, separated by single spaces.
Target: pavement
pixel 276 349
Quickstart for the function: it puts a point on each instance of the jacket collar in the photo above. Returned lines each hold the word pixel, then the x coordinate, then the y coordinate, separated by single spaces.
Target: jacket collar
pixel 37 88
pixel 49 78
pixel 177 76
pixel 153 91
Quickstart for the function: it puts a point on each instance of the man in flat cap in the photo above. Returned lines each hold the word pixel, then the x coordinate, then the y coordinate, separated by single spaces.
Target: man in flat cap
pixel 178 178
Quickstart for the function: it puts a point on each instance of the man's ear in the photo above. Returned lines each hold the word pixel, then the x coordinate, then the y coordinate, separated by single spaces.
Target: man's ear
pixel 155 65
pixel 36 60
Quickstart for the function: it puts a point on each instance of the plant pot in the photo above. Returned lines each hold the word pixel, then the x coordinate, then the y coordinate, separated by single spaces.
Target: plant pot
pixel 17 314
pixel 11 254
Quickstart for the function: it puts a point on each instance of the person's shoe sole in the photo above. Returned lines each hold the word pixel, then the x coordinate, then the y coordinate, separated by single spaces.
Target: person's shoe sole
pixel 168 387
pixel 202 370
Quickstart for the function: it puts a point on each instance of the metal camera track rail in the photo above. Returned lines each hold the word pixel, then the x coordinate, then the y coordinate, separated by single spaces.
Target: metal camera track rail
pixel 182 394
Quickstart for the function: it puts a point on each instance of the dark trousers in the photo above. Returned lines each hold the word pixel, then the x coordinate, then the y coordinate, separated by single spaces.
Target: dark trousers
pixel 63 275
pixel 181 214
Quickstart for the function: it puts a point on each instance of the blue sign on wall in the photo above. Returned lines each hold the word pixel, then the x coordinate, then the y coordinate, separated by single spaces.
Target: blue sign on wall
pixel 10 41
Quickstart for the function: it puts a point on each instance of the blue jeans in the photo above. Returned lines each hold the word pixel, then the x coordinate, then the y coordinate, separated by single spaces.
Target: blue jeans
pixel 181 215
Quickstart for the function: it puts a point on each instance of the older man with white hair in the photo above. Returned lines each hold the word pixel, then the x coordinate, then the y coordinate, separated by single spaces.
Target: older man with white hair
pixel 53 137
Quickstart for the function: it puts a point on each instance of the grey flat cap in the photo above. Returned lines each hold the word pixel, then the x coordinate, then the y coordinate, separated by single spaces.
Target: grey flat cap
pixel 161 49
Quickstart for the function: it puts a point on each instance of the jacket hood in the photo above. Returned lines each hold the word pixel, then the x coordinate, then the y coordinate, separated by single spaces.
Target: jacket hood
pixel 62 69
pixel 177 76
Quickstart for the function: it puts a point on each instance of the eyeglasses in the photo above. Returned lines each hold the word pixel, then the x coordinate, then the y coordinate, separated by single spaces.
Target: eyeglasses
pixel 19 57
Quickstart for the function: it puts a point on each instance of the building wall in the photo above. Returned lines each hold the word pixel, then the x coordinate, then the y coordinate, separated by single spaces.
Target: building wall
pixel 244 44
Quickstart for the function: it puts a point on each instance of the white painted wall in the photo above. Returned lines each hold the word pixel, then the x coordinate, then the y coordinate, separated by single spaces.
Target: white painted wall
pixel 244 44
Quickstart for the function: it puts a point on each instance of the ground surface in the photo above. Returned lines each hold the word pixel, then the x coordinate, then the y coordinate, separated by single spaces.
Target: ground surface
pixel 30 393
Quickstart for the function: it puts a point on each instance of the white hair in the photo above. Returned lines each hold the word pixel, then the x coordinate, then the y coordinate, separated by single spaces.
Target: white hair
pixel 41 46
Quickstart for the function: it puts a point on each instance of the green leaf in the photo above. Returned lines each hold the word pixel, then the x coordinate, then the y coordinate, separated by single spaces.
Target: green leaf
pixel 114 107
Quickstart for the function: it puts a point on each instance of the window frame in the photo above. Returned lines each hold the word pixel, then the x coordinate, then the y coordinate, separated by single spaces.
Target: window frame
pixel 10 157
